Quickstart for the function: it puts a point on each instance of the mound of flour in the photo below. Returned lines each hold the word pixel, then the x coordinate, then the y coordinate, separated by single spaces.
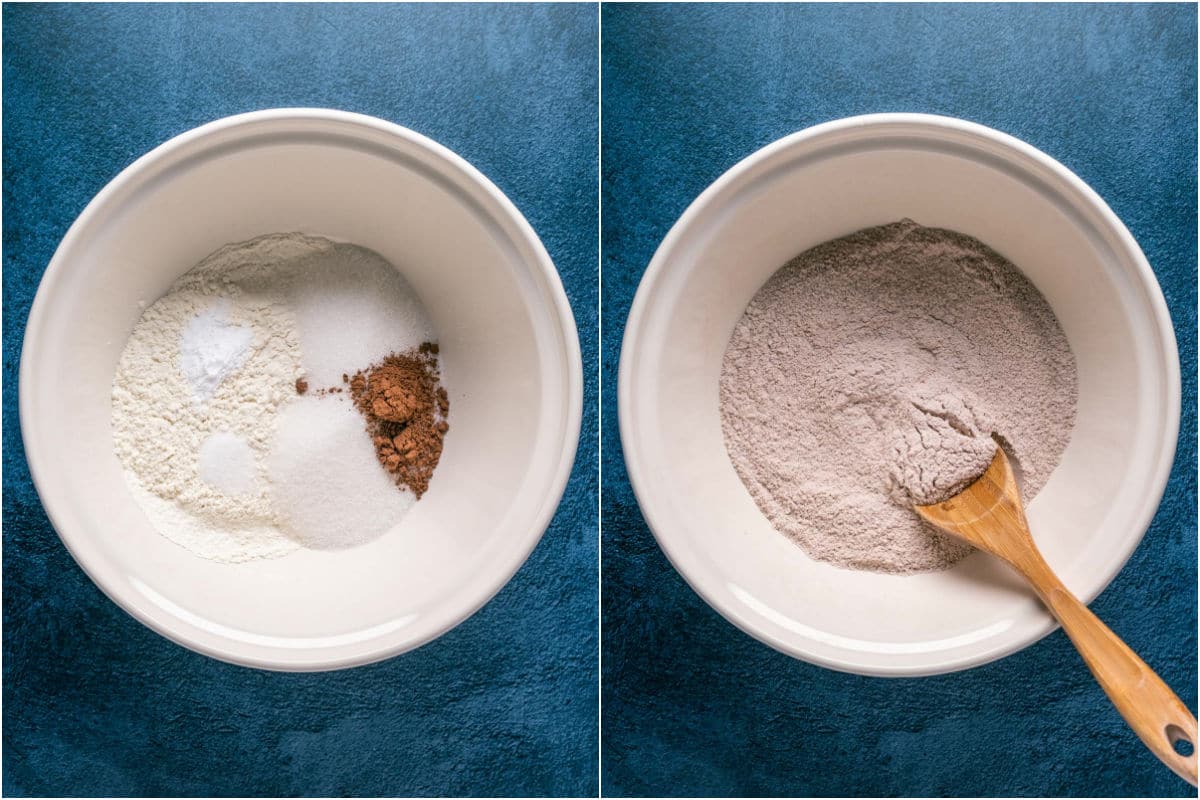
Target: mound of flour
pixel 944 448
pixel 870 374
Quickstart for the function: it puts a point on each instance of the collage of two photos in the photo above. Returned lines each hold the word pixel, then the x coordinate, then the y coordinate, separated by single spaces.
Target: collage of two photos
pixel 599 399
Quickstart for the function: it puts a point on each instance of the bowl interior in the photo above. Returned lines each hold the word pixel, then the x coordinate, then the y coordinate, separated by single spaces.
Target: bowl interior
pixel 1087 519
pixel 508 360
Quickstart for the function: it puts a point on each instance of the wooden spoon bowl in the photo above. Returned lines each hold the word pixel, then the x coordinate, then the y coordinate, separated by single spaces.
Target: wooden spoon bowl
pixel 989 515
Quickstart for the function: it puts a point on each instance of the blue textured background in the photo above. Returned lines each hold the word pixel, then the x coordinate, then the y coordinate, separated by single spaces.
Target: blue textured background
pixel 94 703
pixel 691 705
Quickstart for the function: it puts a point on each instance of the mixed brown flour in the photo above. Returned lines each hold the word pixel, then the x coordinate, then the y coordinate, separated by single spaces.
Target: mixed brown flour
pixel 872 372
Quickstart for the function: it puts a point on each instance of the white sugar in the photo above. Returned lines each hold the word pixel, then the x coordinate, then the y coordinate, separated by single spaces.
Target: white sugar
pixel 326 482
pixel 352 309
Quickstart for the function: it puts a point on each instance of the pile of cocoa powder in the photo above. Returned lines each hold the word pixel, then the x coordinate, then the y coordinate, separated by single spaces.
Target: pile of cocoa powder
pixel 405 407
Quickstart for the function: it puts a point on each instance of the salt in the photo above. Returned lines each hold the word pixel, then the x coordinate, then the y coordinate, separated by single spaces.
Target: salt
pixel 325 480
pixel 226 463
pixel 211 348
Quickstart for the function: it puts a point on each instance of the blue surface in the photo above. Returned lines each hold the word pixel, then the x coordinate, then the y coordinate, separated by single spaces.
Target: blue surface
pixel 96 704
pixel 693 706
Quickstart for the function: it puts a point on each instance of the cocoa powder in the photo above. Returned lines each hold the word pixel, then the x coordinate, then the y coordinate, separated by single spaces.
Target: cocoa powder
pixel 405 407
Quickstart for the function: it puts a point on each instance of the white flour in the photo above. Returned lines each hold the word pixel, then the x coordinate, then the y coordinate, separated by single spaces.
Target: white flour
pixel 208 368
pixel 187 348
pixel 869 373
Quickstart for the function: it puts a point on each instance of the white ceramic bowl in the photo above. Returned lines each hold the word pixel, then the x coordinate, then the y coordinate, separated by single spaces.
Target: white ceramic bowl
pixel 510 358
pixel 826 182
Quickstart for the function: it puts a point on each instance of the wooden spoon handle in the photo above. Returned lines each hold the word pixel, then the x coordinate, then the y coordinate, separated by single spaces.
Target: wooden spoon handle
pixel 1157 716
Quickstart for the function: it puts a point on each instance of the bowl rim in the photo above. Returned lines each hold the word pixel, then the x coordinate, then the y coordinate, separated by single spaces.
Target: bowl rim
pixel 863 124
pixel 509 219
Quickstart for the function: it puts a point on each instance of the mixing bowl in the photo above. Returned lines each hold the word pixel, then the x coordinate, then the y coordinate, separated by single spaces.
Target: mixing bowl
pixel 510 360
pixel 826 182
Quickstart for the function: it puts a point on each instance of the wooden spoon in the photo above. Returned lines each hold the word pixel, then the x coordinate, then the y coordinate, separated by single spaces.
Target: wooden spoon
pixel 989 515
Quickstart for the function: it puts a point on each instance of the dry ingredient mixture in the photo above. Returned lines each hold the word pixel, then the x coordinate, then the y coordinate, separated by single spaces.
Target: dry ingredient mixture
pixel 881 370
pixel 223 445
pixel 946 446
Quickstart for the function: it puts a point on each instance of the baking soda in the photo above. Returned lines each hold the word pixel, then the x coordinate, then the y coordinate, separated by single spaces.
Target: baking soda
pixel 212 348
